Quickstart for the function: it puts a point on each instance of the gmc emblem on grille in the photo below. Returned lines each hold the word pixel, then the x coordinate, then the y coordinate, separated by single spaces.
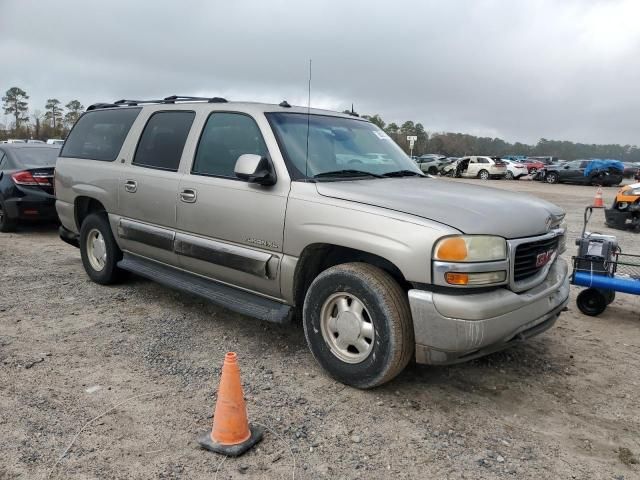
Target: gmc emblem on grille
pixel 543 258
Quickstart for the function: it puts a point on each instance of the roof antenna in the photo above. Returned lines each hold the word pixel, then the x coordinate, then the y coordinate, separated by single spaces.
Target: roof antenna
pixel 306 162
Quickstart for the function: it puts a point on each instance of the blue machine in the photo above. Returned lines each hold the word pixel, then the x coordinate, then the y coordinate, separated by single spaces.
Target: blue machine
pixel 602 267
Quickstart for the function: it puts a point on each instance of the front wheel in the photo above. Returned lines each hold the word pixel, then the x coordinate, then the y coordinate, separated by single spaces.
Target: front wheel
pixel 99 251
pixel 358 325
pixel 551 177
pixel 484 175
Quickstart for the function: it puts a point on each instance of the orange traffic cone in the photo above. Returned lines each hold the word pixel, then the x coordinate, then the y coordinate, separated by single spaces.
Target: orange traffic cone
pixel 597 200
pixel 231 433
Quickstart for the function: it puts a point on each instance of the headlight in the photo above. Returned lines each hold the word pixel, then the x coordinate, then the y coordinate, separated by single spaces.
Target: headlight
pixel 471 248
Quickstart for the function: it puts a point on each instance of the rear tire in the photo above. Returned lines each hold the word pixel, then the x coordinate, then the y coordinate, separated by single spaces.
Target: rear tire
pixel 358 325
pixel 591 302
pixel 509 175
pixel 483 175
pixel 99 251
pixel 7 224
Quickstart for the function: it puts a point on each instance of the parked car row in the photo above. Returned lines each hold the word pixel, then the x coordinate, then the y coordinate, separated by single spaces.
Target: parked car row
pixel 51 141
pixel 548 169
pixel 584 172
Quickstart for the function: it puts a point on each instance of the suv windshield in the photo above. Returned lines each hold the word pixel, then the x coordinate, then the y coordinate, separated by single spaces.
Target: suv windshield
pixel 348 147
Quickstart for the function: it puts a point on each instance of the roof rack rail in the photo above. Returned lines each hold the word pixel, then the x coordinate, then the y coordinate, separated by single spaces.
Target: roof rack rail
pixel 172 99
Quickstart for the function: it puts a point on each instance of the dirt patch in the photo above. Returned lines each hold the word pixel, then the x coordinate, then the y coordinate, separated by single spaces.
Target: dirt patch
pixel 626 457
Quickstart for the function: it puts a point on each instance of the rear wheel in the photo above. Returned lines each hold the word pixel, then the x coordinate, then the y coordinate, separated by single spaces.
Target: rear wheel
pixel 551 177
pixel 483 175
pixel 509 175
pixel 432 171
pixel 358 326
pixel 591 302
pixel 99 251
pixel 6 224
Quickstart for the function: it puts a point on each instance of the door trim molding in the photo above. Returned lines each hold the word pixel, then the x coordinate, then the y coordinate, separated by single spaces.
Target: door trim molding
pixel 226 255
pixel 147 234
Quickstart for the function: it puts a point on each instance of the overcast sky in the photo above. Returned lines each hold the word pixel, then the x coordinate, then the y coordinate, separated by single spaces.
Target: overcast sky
pixel 520 70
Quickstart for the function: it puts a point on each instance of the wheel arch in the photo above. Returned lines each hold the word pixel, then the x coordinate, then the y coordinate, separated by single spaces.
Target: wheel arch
pixel 317 257
pixel 84 206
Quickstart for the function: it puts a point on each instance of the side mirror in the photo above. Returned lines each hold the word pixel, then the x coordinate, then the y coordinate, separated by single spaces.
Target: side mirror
pixel 254 169
pixel 566 167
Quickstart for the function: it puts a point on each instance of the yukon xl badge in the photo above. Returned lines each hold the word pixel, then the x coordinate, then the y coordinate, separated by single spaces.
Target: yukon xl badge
pixel 262 243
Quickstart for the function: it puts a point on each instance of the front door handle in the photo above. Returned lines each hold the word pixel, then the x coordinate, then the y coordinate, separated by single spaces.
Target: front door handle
pixel 188 195
pixel 131 186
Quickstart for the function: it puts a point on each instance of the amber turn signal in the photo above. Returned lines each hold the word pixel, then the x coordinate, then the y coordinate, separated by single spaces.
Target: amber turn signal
pixel 452 249
pixel 456 278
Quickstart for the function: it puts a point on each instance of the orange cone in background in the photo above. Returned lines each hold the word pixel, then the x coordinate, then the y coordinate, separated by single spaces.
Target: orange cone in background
pixel 597 200
pixel 231 433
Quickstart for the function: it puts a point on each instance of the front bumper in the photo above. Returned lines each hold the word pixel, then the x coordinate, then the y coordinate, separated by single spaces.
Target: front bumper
pixel 455 328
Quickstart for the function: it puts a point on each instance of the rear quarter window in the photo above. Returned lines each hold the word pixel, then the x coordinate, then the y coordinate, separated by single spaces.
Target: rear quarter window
pixel 99 134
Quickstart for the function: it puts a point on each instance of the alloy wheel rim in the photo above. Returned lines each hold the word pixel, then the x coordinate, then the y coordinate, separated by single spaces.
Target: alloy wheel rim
pixel 96 250
pixel 347 327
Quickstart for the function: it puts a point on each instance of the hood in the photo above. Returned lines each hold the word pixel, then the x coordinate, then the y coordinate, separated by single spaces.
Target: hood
pixel 472 209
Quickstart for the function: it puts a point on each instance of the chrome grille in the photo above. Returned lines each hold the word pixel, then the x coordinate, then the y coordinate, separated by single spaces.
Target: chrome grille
pixel 525 259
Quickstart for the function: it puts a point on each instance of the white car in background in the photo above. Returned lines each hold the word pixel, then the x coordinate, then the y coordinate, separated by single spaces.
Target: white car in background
pixel 482 167
pixel 515 170
pixel 55 141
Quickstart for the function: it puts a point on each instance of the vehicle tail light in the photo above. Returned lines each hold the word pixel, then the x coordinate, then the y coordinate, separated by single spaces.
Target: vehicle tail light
pixel 26 178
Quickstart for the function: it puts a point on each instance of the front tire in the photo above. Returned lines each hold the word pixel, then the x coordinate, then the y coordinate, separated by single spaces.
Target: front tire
pixel 358 324
pixel 7 224
pixel 552 178
pixel 99 251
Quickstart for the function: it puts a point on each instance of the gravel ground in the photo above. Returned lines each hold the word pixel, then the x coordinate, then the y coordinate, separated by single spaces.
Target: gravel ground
pixel 564 405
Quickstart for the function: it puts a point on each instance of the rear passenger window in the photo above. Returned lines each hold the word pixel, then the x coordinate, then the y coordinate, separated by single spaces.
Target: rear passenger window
pixel 99 134
pixel 225 137
pixel 163 140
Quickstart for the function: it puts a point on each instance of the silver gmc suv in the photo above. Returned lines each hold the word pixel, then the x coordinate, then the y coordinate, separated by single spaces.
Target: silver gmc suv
pixel 280 212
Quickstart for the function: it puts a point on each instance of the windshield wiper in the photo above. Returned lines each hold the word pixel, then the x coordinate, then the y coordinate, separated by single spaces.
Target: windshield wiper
pixel 403 173
pixel 346 173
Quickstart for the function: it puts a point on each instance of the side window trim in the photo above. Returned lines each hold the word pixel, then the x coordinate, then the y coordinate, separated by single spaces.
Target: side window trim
pixel 139 140
pixel 202 132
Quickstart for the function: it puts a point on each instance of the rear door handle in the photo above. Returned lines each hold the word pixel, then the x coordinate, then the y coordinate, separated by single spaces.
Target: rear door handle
pixel 131 186
pixel 188 195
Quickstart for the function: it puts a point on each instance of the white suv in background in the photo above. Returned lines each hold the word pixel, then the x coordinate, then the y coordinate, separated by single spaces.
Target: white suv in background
pixel 480 167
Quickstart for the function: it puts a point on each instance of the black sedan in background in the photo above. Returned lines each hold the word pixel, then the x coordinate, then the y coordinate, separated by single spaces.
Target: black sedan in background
pixel 26 183
pixel 573 172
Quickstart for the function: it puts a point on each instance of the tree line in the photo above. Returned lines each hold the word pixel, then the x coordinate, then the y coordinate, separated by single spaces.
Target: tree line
pixel 461 144
pixel 54 121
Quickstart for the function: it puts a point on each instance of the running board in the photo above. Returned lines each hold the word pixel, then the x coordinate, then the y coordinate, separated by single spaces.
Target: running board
pixel 236 300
